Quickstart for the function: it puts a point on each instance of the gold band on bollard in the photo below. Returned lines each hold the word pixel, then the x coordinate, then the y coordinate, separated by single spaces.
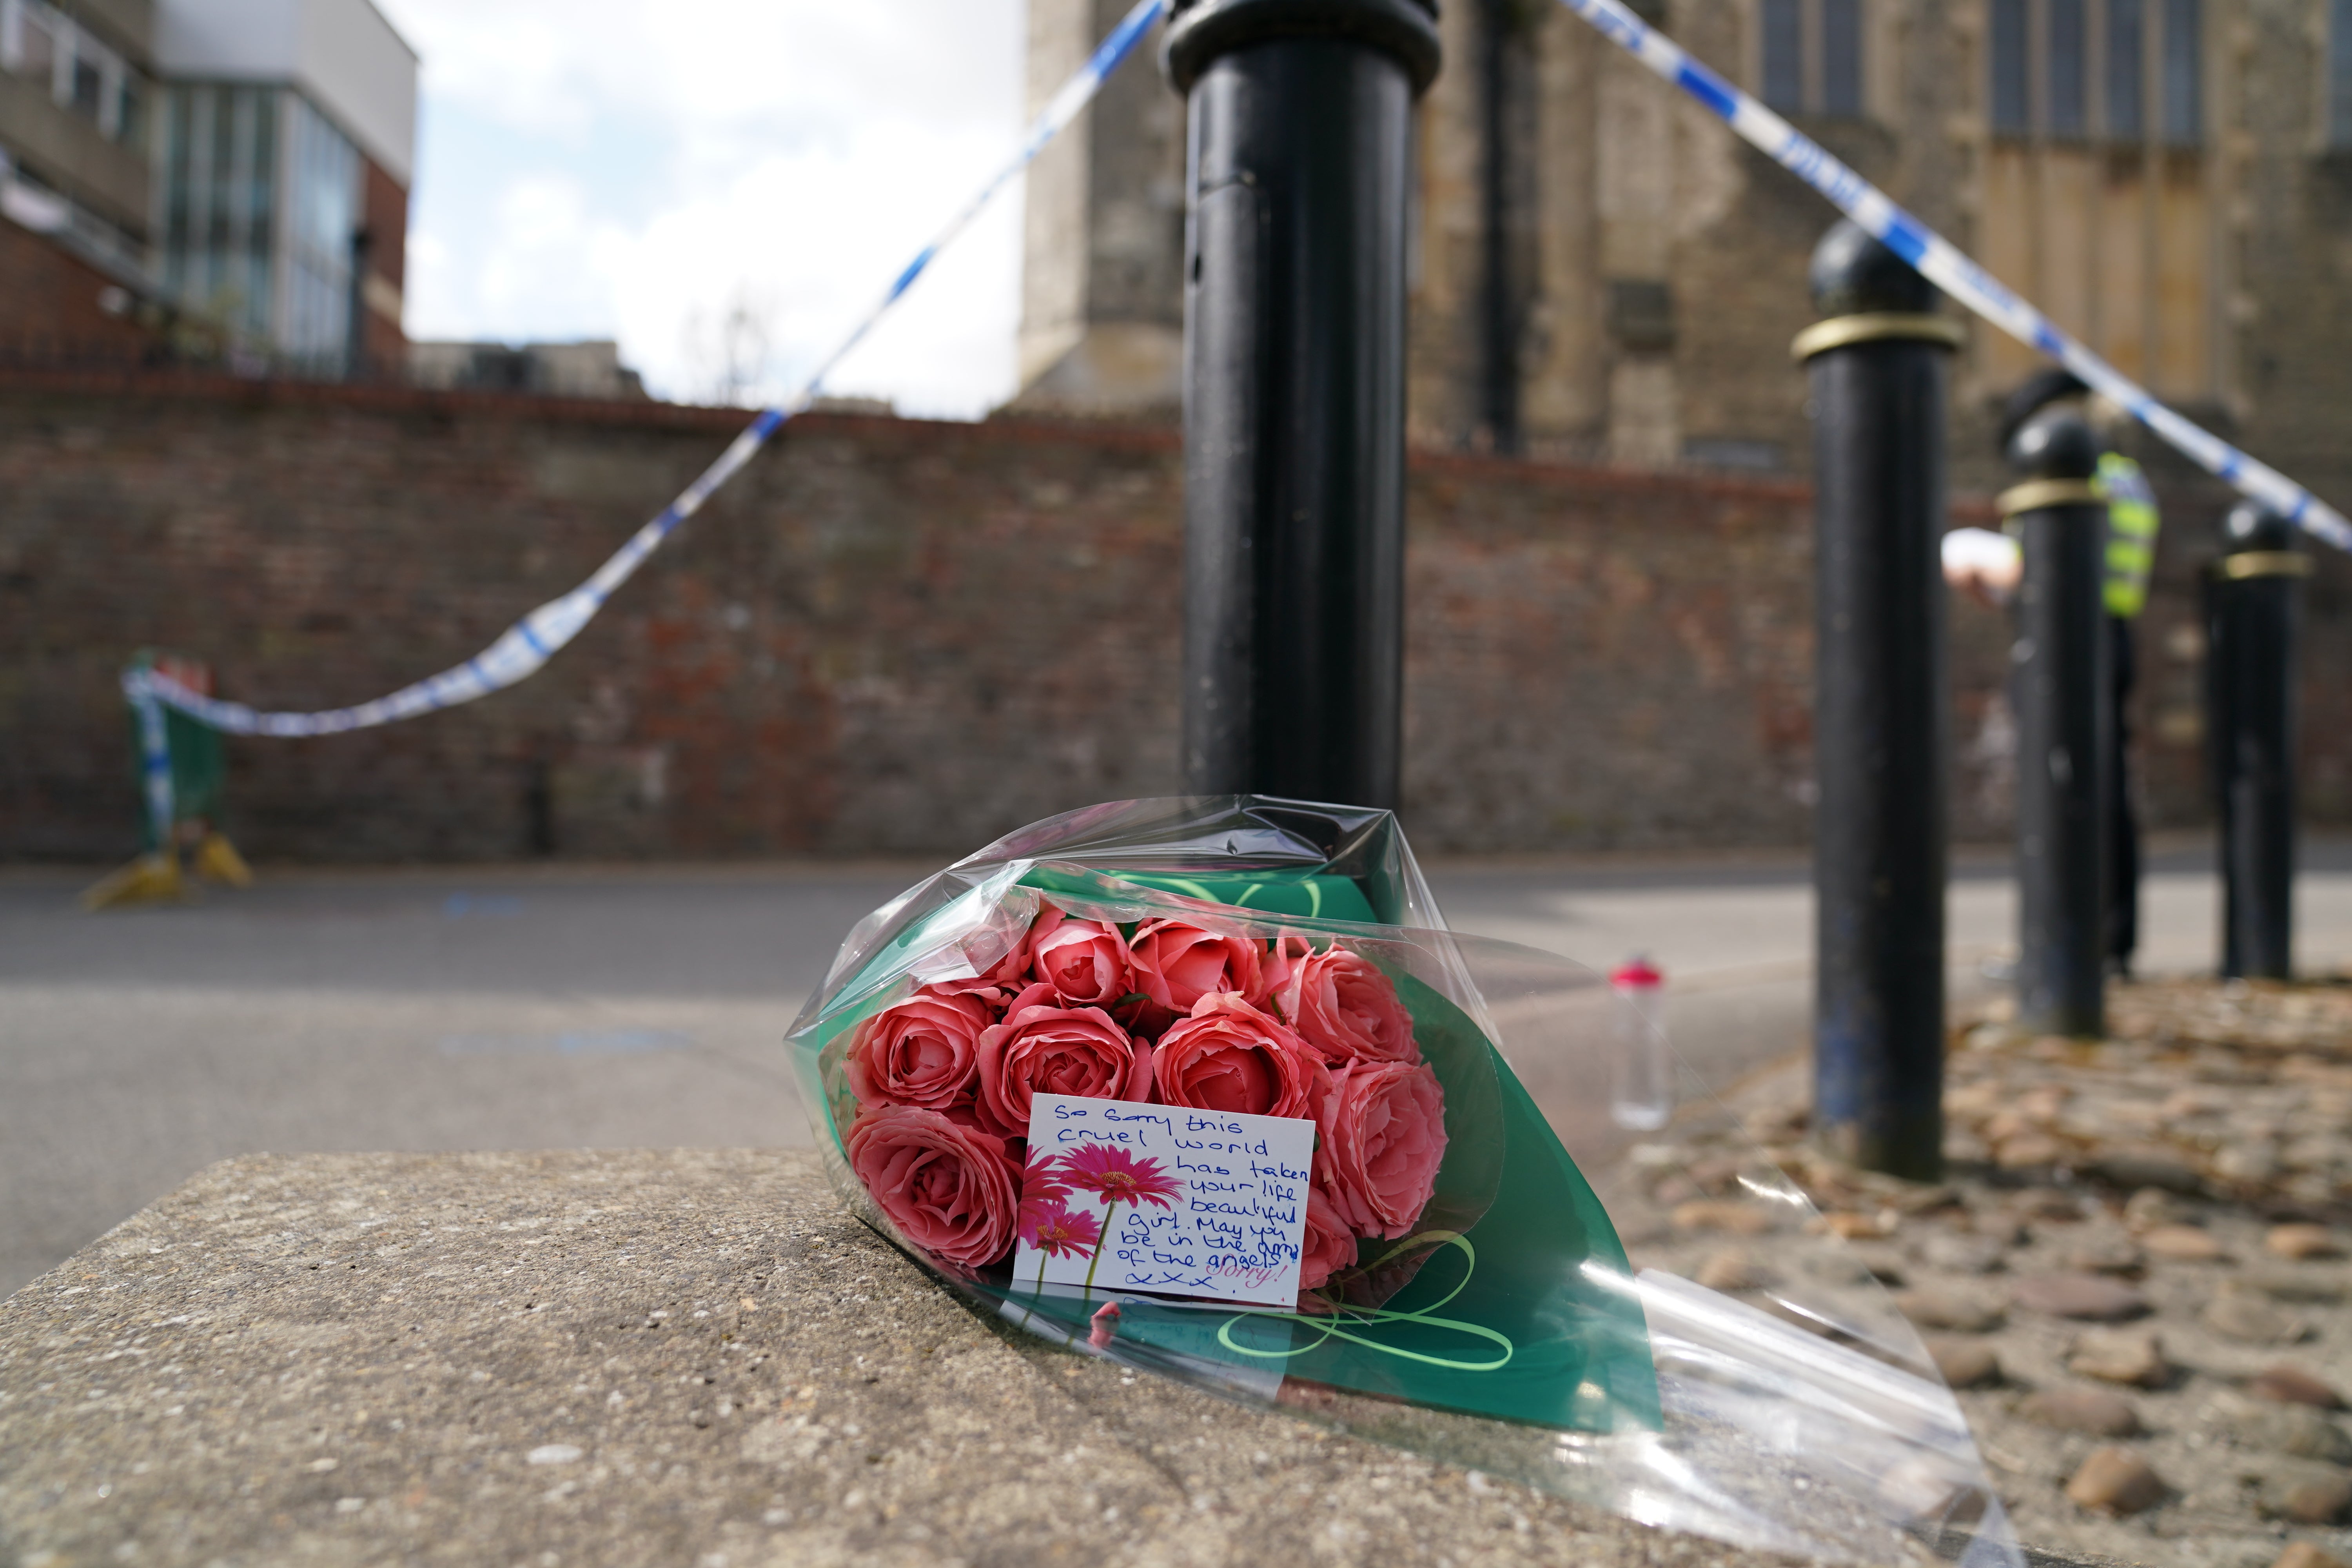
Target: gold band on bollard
pixel 2035 494
pixel 1872 326
pixel 2263 563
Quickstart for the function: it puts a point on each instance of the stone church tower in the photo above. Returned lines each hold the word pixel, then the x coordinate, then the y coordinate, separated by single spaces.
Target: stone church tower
pixel 1102 288
pixel 1601 272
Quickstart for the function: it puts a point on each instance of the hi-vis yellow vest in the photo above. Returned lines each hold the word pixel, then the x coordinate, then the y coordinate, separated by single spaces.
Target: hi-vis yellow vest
pixel 2131 533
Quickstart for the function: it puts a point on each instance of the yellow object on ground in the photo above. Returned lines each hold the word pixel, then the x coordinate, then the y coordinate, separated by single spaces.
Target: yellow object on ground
pixel 158 879
pixel 149 879
pixel 218 862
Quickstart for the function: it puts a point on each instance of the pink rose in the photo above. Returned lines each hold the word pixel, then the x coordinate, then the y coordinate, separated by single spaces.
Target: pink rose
pixel 922 1051
pixel 1283 956
pixel 1084 960
pixel 1383 1133
pixel 1228 1056
pixel 1342 1005
pixel 1041 1049
pixel 949 1189
pixel 1177 964
pixel 1329 1245
pixel 976 985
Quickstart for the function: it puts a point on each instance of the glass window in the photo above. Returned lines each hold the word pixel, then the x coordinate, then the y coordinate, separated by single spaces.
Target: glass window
pixel 2340 73
pixel 261 209
pixel 220 173
pixel 2069 38
pixel 1842 57
pixel 2127 68
pixel 89 86
pixel 2184 107
pixel 322 215
pixel 2010 110
pixel 177 195
pixel 129 103
pixel 1784 55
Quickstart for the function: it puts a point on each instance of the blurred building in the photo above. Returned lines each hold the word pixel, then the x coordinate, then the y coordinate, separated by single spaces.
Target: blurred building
pixel 284 144
pixel 77 89
pixel 218 176
pixel 1601 271
pixel 592 369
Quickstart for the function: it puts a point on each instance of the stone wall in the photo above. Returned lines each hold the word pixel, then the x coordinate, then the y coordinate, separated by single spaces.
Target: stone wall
pixel 890 635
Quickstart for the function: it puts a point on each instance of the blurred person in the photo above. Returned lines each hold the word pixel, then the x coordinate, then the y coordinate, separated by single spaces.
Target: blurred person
pixel 1988 566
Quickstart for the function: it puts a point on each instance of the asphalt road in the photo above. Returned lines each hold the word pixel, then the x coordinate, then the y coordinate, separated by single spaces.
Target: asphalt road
pixel 526 1008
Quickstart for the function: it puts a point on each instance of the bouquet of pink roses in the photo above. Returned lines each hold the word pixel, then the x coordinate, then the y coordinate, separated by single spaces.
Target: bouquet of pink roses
pixel 1174 1012
pixel 1207 1087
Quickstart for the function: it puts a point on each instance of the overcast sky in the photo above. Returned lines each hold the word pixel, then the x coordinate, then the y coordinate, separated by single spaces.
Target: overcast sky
pixel 607 168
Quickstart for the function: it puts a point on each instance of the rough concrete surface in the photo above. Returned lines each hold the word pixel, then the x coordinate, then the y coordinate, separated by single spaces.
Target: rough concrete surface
pixel 643 1358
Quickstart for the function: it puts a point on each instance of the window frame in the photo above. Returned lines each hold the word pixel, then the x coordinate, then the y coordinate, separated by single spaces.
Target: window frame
pixel 2111 75
pixel 2005 90
pixel 2167 107
pixel 1767 34
pixel 2022 86
pixel 2066 94
pixel 73 50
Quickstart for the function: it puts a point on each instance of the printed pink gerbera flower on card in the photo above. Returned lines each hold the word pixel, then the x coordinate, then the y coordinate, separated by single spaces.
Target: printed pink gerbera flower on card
pixel 1118 1177
pixel 1041 1178
pixel 1052 1228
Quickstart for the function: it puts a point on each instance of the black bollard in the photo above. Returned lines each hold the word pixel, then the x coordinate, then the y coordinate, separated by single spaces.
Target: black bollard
pixel 1880 711
pixel 2250 622
pixel 2065 702
pixel 1301 179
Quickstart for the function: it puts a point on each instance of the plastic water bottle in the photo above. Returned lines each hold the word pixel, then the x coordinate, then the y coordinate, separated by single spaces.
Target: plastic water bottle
pixel 1643 1094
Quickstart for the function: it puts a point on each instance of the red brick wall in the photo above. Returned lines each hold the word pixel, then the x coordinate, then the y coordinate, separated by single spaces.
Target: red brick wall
pixel 891 636
pixel 50 304
pixel 385 214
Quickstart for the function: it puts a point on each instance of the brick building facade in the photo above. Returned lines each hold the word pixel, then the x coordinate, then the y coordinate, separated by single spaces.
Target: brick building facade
pixel 216 181
pixel 890 635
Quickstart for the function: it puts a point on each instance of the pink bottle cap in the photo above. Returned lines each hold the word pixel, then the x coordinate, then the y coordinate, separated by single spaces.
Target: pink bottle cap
pixel 1636 973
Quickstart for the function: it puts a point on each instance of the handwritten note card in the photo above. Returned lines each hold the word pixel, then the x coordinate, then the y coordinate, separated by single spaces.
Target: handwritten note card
pixel 1164 1200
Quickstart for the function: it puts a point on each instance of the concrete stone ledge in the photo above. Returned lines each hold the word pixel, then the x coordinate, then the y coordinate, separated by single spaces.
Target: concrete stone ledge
pixel 644 1358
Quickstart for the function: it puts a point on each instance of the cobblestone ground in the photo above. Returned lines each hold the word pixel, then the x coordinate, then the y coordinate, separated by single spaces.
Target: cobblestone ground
pixel 2136 1273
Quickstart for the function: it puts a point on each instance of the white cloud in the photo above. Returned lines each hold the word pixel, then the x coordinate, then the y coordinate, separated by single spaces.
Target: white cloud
pixel 809 242
pixel 608 169
pixel 546 67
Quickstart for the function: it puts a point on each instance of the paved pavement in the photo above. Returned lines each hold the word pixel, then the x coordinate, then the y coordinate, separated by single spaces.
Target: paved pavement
pixel 600 1008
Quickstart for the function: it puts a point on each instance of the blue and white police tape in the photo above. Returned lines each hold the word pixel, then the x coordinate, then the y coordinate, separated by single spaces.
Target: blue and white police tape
pixel 1944 265
pixel 155 767
pixel 532 640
